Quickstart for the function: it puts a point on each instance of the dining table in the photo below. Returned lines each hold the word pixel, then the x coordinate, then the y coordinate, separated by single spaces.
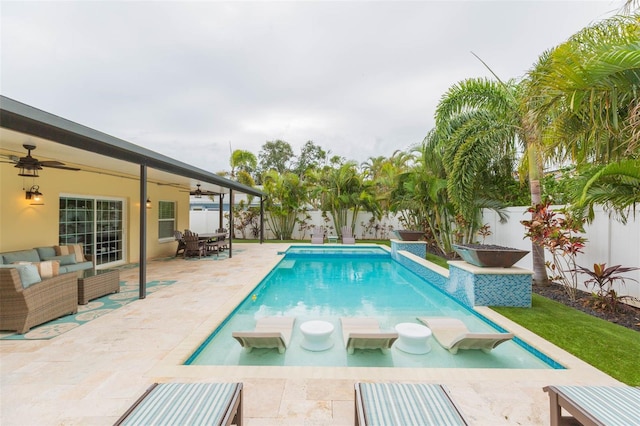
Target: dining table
pixel 211 235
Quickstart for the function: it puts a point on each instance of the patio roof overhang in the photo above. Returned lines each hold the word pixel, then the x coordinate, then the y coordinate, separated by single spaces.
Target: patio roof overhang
pixel 92 151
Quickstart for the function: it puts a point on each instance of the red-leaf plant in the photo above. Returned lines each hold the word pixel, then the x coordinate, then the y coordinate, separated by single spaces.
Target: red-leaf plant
pixel 603 279
pixel 559 235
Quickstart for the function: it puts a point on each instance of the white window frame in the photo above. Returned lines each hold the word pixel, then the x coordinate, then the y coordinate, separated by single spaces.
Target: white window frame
pixel 161 221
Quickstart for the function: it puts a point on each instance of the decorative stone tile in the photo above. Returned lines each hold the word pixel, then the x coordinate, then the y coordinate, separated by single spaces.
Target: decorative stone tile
pixel 493 289
pixel 419 248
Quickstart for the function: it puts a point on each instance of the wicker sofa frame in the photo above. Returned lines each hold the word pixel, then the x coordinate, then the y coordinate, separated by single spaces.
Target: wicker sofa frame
pixel 21 309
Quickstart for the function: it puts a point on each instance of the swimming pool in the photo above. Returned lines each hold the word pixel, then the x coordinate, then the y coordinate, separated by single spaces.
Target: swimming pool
pixel 329 282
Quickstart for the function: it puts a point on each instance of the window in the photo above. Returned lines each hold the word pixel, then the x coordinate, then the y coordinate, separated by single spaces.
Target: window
pixel 166 219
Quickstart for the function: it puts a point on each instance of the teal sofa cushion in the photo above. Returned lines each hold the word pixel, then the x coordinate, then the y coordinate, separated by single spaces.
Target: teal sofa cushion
pixel 30 255
pixel 65 259
pixel 75 267
pixel 28 274
pixel 45 252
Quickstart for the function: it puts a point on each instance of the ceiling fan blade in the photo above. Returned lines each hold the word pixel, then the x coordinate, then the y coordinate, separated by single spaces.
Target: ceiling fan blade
pixel 13 158
pixel 53 165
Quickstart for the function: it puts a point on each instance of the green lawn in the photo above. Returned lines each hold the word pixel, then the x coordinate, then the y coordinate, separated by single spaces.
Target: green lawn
pixel 610 348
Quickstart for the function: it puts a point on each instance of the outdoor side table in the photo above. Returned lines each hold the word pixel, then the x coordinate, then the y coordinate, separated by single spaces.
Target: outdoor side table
pixel 332 239
pixel 93 284
pixel 412 338
pixel 317 335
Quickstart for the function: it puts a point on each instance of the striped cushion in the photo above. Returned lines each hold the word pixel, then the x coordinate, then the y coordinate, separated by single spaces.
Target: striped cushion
pixel 183 404
pixel 72 249
pixel 612 405
pixel 46 269
pixel 408 404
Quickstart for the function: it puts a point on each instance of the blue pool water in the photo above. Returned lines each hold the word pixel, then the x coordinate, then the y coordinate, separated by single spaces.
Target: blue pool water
pixel 327 283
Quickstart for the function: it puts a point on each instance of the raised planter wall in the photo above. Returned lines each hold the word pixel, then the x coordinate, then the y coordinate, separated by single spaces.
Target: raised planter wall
pixel 419 248
pixel 491 286
pixel 470 285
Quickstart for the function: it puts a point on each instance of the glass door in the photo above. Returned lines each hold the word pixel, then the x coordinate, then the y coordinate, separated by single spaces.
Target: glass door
pixel 97 224
pixel 108 231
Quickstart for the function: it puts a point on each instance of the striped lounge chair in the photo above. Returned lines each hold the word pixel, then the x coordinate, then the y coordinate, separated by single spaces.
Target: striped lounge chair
pixel 405 404
pixel 187 404
pixel 595 405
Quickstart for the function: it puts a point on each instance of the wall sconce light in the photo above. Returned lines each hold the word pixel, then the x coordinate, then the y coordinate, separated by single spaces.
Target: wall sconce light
pixel 148 203
pixel 34 193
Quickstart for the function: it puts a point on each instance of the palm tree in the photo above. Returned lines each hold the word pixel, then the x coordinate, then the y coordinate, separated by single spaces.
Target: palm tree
pixel 242 160
pixel 286 200
pixel 482 123
pixel 342 190
pixel 383 173
pixel 421 197
pixel 589 86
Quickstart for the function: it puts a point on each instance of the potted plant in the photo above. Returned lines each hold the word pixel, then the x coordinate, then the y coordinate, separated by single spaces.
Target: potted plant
pixel 488 255
pixel 409 235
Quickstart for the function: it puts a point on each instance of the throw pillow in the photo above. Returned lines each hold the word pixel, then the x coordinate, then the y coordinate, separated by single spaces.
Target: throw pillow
pixel 68 259
pixel 46 269
pixel 75 249
pixel 28 274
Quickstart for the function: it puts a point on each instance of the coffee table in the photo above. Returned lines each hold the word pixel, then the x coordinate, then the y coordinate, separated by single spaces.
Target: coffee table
pixel 93 284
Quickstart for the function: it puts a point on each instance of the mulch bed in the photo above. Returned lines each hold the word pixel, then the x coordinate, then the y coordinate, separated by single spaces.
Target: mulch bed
pixel 627 316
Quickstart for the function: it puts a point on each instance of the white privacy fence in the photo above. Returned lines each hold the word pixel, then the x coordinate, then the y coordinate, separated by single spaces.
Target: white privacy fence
pixel 201 221
pixel 608 240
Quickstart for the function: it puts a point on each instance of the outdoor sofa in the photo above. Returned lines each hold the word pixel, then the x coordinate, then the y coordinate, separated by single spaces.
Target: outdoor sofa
pixel 27 299
pixel 70 258
pixel 39 284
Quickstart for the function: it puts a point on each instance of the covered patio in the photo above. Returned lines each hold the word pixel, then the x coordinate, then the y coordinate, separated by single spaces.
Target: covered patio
pixel 69 161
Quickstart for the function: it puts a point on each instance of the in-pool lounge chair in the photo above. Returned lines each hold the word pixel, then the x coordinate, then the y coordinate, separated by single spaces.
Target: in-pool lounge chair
pixel 270 332
pixel 405 404
pixel 187 404
pixel 595 405
pixel 364 333
pixel 452 334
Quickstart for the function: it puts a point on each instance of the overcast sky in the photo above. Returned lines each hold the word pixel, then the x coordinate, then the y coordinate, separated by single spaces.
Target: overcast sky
pixel 192 79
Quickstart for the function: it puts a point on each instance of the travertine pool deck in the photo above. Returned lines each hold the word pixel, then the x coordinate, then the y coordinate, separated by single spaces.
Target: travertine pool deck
pixel 92 374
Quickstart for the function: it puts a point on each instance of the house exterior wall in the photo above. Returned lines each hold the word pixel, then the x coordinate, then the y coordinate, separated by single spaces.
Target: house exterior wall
pixel 23 225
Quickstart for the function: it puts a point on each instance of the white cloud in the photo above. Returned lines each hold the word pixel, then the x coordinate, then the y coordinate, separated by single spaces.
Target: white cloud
pixel 187 79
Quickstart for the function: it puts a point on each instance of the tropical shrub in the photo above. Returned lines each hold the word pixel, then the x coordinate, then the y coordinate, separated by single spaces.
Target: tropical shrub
pixel 559 234
pixel 602 279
